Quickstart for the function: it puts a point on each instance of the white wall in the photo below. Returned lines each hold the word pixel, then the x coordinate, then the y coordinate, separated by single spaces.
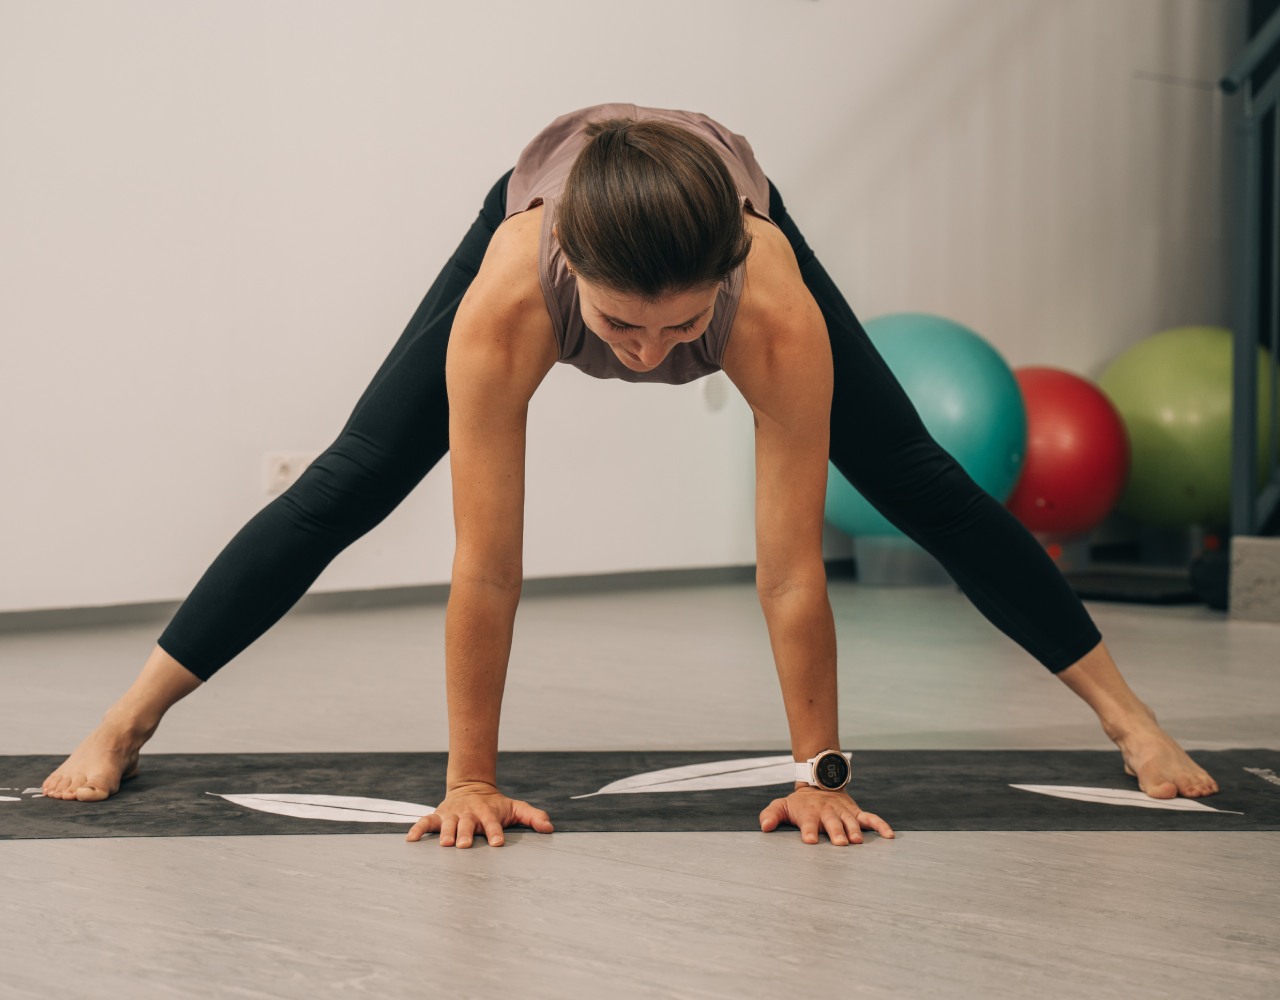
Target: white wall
pixel 217 215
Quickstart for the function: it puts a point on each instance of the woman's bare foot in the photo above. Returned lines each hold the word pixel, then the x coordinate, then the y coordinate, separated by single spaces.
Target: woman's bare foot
pixel 108 756
pixel 1151 755
pixel 1162 768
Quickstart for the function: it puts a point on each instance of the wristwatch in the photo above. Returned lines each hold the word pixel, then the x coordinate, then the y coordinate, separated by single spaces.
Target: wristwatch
pixel 829 770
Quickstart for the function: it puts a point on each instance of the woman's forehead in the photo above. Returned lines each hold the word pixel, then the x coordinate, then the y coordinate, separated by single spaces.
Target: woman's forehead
pixel 673 308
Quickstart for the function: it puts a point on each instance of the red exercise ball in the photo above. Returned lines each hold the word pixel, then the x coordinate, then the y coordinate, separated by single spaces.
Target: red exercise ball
pixel 1077 455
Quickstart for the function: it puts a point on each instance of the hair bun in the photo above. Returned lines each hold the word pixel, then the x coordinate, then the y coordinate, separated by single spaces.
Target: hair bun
pixel 608 126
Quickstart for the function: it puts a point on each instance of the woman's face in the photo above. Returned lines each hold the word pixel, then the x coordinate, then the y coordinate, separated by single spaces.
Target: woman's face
pixel 642 333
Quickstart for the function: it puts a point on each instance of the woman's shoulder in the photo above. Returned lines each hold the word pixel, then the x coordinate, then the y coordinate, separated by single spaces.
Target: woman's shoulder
pixel 504 314
pixel 773 290
pixel 515 246
pixel 508 282
pixel 778 351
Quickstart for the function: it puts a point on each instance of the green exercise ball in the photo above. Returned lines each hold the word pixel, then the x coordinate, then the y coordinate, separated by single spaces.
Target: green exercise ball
pixel 967 397
pixel 1173 390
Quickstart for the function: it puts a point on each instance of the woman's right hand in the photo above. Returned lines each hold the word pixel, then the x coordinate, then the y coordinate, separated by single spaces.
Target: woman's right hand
pixel 477 806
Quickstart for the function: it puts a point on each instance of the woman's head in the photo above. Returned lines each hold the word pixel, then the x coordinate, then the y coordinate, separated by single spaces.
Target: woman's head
pixel 650 209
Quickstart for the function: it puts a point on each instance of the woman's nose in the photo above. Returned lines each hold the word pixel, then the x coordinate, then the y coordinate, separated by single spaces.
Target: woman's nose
pixel 653 351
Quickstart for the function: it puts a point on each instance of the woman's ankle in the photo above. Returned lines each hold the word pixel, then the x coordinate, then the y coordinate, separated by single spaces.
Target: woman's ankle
pixel 137 723
pixel 161 684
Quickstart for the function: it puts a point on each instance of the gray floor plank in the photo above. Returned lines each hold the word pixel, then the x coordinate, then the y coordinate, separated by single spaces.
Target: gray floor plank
pixel 674 915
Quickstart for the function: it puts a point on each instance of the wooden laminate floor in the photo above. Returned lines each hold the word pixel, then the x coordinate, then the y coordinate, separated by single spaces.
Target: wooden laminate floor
pixel 992 915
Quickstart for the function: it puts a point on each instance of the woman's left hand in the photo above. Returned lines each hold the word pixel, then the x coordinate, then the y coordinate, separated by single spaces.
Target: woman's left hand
pixel 814 809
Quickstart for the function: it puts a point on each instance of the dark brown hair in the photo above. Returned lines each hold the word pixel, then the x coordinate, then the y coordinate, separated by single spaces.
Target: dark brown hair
pixel 649 209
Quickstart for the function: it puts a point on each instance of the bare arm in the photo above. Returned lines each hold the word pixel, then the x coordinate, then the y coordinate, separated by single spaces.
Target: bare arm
pixel 780 359
pixel 500 349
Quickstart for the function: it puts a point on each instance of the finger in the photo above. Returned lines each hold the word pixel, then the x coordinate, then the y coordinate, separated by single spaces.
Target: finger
pixel 428 824
pixel 852 827
pixel 772 814
pixel 529 816
pixel 448 830
pixel 809 831
pixel 835 830
pixel 466 830
pixel 870 821
pixel 493 832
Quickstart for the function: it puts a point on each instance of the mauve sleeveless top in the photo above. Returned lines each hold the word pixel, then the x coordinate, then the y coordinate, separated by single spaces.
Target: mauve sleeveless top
pixel 539 177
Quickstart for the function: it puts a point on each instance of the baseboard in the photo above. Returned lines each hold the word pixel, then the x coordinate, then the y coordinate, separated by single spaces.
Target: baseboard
pixel 108 616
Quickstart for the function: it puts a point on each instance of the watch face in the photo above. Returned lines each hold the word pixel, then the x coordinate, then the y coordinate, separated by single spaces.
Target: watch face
pixel 832 770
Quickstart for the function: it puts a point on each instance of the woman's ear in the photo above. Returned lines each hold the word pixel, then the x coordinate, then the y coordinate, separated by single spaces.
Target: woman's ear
pixel 555 232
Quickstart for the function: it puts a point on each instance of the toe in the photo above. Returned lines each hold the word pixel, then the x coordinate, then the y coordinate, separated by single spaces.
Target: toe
pixel 97 787
pixel 66 785
pixel 1161 790
pixel 1197 785
pixel 90 792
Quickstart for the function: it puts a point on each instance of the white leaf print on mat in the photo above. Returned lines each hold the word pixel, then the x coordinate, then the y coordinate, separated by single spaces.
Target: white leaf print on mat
pixel 746 772
pixel 1121 797
pixel 338 808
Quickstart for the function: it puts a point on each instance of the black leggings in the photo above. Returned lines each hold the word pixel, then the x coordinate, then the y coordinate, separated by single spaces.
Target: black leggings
pixel 400 429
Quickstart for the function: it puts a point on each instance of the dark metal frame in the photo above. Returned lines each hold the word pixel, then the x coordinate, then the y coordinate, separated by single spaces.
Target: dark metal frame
pixel 1251 509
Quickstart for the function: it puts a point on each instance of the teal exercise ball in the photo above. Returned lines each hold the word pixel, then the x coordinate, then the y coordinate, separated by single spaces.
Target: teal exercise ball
pixel 1174 392
pixel 967 397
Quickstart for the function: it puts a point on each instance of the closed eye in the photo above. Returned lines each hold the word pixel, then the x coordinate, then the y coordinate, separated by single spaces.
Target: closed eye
pixel 622 327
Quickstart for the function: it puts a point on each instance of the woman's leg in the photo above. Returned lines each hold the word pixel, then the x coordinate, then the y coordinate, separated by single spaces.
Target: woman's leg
pixel 397 432
pixel 881 446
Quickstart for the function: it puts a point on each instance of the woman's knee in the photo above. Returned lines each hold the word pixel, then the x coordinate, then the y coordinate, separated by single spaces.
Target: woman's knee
pixel 920 487
pixel 353 486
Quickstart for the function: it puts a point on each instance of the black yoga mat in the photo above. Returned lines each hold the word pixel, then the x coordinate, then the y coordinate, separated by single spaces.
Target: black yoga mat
pixel 182 795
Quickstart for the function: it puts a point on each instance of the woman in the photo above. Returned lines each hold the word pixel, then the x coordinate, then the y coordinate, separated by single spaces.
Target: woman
pixel 646 245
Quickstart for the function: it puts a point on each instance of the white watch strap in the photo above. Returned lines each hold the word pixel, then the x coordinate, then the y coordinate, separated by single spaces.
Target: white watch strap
pixel 804 769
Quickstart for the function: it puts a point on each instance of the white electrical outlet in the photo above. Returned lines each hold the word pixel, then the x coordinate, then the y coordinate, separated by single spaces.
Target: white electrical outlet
pixel 281 469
